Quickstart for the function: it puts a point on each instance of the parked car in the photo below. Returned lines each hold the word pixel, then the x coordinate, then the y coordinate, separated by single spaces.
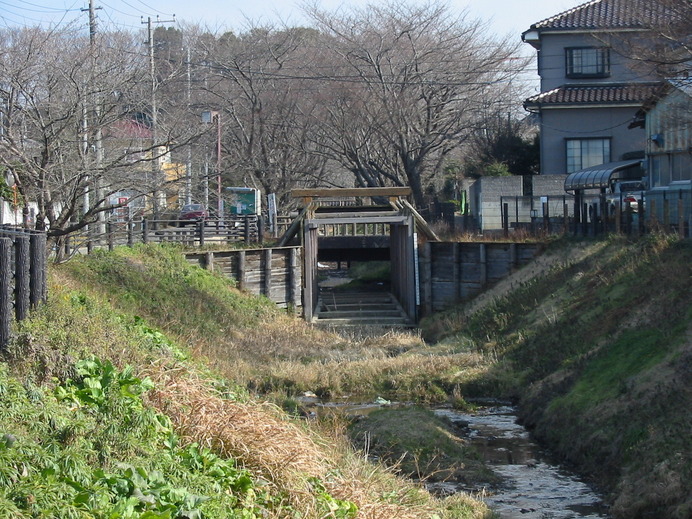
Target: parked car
pixel 626 193
pixel 192 213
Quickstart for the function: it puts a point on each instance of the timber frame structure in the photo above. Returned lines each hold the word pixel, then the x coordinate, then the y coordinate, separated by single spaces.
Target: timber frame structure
pixel 351 211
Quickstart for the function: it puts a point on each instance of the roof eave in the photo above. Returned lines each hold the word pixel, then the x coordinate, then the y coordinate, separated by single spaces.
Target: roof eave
pixel 584 30
pixel 571 106
pixel 532 37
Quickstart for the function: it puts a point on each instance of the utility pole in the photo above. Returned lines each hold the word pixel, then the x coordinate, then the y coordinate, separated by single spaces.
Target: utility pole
pixel 92 22
pixel 154 110
pixel 188 166
pixel 98 133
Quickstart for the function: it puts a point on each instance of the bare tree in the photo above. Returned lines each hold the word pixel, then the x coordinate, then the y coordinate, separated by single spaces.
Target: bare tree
pixel 664 47
pixel 75 124
pixel 412 81
pixel 256 80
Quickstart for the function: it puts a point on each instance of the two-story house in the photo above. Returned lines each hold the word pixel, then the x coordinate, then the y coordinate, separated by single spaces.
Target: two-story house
pixel 590 89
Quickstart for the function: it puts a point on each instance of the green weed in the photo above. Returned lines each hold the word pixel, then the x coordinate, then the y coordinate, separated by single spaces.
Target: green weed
pixel 95 450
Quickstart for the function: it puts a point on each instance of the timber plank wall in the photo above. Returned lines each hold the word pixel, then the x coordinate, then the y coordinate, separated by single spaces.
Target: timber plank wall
pixel 452 272
pixel 272 272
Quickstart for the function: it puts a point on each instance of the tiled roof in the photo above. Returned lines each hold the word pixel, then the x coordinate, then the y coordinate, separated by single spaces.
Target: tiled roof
pixel 606 14
pixel 595 94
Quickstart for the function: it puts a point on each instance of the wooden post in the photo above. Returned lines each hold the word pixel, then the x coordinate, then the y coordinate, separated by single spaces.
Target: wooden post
pixel 456 278
pixel 604 214
pixel 293 269
pixel 37 251
pixel 5 293
pixel 577 211
pixel 260 229
pixel 640 216
pixel 22 276
pixel 653 213
pixel 681 217
pixel 200 232
pixel 268 256
pixel 241 270
pixel 565 216
pixel 504 207
pixel 426 278
pixel 209 261
pixel 585 219
pixel 247 229
pixel 111 238
pixel 145 230
pixel 483 265
pixel 90 243
pixel 131 232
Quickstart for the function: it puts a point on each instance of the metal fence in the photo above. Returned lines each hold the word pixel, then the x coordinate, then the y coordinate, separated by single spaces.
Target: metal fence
pixel 668 210
pixel 23 276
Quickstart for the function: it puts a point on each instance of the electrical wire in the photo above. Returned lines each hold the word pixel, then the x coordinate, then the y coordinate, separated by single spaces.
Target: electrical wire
pixel 40 8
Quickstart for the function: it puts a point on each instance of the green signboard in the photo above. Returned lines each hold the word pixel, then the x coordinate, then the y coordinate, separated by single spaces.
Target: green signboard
pixel 242 200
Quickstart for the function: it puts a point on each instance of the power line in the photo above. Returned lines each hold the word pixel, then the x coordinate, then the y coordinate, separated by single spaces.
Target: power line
pixel 40 8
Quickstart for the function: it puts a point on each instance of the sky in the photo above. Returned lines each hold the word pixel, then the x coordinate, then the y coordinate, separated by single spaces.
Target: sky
pixel 505 17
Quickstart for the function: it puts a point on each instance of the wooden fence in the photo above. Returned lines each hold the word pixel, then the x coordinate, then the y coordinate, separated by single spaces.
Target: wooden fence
pixel 273 272
pixel 452 272
pixel 242 228
pixel 22 276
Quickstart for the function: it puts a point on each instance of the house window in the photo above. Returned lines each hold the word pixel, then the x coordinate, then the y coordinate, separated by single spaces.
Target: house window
pixel 669 167
pixel 587 62
pixel 584 153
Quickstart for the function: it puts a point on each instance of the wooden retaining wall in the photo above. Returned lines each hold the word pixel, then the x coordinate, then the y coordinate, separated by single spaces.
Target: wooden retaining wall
pixel 273 272
pixel 454 272
pixel 22 276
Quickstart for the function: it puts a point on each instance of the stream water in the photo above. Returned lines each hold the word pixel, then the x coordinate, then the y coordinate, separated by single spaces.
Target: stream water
pixel 533 488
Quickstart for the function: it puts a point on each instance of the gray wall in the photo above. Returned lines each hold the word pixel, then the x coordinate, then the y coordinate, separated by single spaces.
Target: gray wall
pixel 552 62
pixel 485 195
pixel 548 185
pixel 557 125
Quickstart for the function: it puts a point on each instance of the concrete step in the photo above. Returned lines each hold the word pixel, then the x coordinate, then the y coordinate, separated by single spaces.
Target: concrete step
pixel 360 298
pixel 349 314
pixel 330 306
pixel 351 309
pixel 360 321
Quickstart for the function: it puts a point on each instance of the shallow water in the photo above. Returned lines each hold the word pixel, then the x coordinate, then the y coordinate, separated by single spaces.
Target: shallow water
pixel 534 488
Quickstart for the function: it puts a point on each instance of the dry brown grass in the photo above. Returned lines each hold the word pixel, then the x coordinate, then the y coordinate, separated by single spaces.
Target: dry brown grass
pixel 284 453
pixel 338 364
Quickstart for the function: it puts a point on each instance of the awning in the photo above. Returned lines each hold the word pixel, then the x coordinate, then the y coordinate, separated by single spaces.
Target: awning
pixel 598 177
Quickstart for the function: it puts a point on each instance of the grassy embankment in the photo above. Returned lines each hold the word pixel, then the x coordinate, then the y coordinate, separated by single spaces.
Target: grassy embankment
pixel 598 351
pixel 593 339
pixel 125 397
